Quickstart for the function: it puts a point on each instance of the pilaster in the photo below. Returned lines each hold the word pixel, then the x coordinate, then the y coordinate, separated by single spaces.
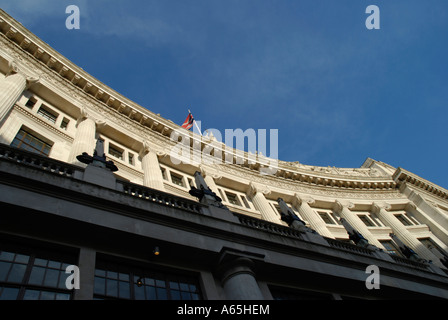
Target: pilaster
pixel 257 193
pixel 302 205
pixel 343 209
pixel 152 175
pixel 84 140
pixel 12 86
pixel 236 270
pixel 381 210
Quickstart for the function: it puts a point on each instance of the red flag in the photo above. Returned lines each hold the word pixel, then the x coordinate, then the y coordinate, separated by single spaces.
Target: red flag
pixel 188 123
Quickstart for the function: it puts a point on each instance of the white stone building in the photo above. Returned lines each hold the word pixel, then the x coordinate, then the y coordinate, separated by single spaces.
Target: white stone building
pixel 57 211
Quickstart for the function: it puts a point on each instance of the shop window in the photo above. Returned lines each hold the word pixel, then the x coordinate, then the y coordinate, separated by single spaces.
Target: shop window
pixel 121 281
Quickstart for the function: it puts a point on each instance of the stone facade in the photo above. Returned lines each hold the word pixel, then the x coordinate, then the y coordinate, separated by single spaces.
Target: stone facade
pixel 51 111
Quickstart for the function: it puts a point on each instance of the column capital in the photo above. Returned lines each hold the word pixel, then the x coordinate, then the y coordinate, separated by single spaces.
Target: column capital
pixel 14 68
pixel 378 206
pixel 298 200
pixel 410 206
pixel 338 205
pixel 209 172
pixel 256 188
pixel 100 124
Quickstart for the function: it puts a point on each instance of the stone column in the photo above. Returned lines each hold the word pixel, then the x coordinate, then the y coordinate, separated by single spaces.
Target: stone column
pixel 11 87
pixel 84 138
pixel 316 223
pixel 152 175
pixel 238 278
pixel 389 219
pixel 343 209
pixel 86 265
pixel 257 192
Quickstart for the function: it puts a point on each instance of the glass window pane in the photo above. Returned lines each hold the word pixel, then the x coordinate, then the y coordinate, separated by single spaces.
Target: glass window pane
pixel 175 295
pixel 16 273
pixel 139 292
pixel 22 258
pixel 124 290
pixel 46 295
pixel 150 293
pixel 37 276
pixel 99 272
pixel 161 294
pixel 51 278
pixel 40 262
pixel 62 278
pixel 123 276
pixel 31 295
pixel 100 286
pixel 54 264
pixel 4 270
pixel 112 288
pixel 6 256
pixel 8 293
pixel 160 283
pixel 174 285
pixel 184 286
pixel 186 296
pixel 62 296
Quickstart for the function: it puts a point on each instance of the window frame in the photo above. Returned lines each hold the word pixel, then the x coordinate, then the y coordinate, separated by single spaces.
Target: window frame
pixel 18 142
pixel 56 262
pixel 123 275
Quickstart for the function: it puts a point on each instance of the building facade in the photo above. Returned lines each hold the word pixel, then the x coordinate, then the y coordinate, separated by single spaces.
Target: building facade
pixel 88 179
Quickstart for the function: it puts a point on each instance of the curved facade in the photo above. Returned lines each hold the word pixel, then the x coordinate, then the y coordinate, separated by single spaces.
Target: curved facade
pixel 54 109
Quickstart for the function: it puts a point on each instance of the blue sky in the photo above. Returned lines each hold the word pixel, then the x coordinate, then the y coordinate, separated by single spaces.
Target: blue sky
pixel 337 92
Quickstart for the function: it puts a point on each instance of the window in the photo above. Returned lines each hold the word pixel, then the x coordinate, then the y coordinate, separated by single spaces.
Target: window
pixel 177 179
pixel 433 247
pixel 390 247
pixel 47 114
pixel 163 173
pixel 31 102
pixel 233 198
pixel 131 159
pixel 115 152
pixel 326 217
pixel 329 217
pixel 26 275
pixel 119 281
pixel 30 142
pixel 64 124
pixel 367 219
pixel 404 220
pixel 246 203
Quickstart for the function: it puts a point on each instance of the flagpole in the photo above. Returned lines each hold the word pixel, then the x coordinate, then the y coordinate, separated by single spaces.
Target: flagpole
pixel 194 121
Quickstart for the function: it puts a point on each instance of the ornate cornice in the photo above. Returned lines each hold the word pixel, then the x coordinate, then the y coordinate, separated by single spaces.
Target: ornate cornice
pixel 402 177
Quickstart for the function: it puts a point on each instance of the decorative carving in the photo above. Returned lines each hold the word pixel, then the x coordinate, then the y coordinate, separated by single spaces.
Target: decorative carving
pixel 377 206
pixel 340 205
pixel 299 199
pixel 255 188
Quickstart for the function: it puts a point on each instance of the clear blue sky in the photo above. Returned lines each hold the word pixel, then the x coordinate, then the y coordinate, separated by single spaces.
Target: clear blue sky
pixel 337 92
